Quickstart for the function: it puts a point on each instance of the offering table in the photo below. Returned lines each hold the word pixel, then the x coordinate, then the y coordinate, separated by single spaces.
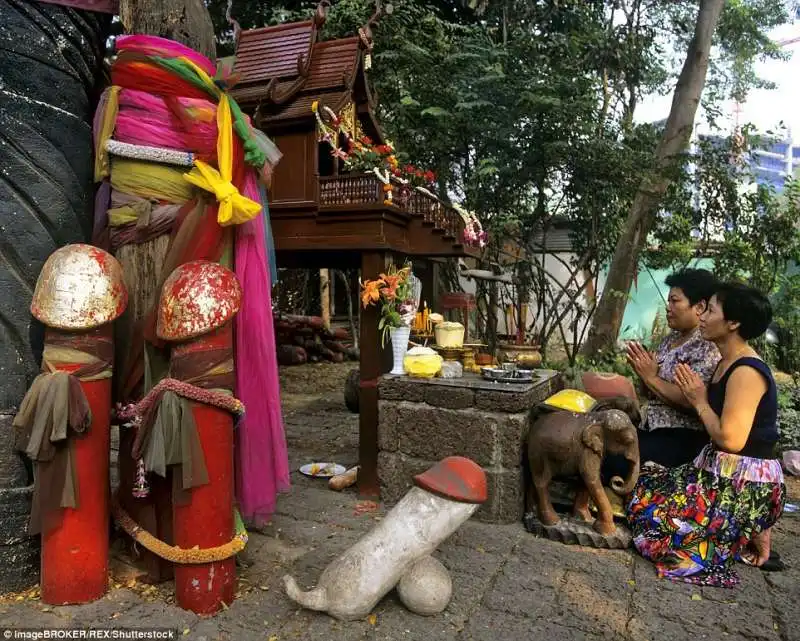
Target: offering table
pixel 421 421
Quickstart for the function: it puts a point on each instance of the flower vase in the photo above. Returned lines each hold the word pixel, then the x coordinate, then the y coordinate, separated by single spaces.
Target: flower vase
pixel 400 336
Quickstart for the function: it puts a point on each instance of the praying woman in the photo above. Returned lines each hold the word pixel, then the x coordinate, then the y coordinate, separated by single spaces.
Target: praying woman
pixel 693 521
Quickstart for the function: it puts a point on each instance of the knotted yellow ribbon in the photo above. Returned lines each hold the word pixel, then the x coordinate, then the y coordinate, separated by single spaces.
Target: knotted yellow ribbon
pixel 234 208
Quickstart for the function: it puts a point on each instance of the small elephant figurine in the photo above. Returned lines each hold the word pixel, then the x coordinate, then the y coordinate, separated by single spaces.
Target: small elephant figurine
pixel 562 443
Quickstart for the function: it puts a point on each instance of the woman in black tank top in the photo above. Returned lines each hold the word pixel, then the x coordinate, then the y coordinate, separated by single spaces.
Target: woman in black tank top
pixel 694 520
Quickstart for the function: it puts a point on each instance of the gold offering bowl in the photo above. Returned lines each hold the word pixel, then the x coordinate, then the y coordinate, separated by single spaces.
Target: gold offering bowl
pixel 525 356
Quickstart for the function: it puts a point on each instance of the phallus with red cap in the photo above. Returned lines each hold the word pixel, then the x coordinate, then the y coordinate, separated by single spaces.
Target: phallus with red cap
pixel 456 478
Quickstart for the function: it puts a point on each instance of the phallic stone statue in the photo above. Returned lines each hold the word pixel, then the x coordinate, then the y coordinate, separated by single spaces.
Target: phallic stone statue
pixel 563 443
pixel 396 552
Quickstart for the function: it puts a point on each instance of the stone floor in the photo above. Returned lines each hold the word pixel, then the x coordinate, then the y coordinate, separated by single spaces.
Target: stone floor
pixel 507 584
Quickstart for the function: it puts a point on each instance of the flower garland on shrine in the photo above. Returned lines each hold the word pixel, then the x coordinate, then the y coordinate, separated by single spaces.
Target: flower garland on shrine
pixel 474 234
pixel 362 155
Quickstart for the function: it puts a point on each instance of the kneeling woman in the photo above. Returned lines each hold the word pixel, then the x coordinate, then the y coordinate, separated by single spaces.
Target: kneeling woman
pixel 693 520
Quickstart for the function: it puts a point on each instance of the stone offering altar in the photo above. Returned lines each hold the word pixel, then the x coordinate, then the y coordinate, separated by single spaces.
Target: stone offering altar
pixel 421 421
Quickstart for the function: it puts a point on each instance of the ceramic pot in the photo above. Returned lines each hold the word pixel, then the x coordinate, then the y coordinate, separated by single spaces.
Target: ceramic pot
pixel 525 356
pixel 607 385
pixel 400 336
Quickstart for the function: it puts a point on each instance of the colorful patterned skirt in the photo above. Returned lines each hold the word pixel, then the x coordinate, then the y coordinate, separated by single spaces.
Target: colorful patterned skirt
pixel 692 520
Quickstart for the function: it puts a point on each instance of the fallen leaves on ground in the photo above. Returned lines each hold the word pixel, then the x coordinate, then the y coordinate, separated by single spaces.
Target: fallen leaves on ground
pixel 31 594
pixel 373 619
pixel 365 507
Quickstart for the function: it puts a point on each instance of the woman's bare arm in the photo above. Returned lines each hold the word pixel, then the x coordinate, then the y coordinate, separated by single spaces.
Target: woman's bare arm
pixel 744 391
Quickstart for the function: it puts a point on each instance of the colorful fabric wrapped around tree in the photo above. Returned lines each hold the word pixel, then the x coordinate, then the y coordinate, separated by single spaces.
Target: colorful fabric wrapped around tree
pixel 180 167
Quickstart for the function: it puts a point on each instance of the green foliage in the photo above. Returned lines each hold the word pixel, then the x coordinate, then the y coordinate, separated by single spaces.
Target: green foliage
pixel 789 415
pixel 525 112
pixel 751 232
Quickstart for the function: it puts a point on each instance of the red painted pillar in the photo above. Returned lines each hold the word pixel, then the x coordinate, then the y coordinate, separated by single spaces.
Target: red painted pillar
pixel 74 563
pixel 80 292
pixel 206 521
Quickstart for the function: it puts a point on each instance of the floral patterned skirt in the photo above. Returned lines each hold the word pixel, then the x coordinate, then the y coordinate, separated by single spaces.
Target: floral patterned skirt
pixel 692 520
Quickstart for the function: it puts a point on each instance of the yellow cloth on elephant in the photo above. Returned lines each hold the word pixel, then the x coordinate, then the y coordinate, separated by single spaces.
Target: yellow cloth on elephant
pixel 572 400
pixel 150 180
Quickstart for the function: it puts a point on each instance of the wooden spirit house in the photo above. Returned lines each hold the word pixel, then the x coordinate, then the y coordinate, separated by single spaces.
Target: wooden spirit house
pixel 323 216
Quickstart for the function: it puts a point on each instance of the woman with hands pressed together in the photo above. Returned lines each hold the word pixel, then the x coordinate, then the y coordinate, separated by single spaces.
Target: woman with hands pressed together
pixel 693 520
pixel 671 433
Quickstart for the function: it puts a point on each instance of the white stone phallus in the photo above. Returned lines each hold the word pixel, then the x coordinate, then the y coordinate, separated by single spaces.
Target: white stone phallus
pixel 445 496
pixel 426 587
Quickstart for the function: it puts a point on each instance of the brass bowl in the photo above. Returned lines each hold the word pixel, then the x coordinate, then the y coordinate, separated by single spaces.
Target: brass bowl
pixel 525 356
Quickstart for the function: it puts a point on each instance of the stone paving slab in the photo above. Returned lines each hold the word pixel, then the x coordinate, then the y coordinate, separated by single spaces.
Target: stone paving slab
pixel 507 584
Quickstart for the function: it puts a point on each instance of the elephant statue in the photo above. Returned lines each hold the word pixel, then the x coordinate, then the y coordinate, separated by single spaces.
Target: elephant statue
pixel 564 443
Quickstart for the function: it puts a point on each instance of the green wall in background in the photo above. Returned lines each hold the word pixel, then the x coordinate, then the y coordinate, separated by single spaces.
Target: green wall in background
pixel 647 299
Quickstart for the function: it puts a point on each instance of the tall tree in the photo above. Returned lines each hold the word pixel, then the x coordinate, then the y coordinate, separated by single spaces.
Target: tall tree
pixel 668 156
pixel 185 21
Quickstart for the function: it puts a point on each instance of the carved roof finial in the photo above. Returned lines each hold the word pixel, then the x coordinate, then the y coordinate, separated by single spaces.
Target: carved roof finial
pixel 237 29
pixel 321 14
pixel 365 32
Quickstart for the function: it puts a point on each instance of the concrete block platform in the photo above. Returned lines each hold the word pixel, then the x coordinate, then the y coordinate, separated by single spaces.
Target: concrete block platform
pixel 421 421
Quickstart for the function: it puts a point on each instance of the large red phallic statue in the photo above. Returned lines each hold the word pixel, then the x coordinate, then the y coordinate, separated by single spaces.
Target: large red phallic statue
pixel 63 424
pixel 186 431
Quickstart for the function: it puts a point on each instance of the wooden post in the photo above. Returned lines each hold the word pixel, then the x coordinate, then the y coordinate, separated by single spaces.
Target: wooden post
pixel 325 297
pixel 372 264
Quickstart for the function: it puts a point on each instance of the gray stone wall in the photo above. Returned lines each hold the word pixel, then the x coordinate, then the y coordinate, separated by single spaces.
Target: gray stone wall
pixel 421 422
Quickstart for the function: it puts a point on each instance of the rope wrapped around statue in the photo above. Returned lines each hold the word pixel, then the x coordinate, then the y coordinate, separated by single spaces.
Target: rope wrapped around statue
pixel 166 435
pixel 181 170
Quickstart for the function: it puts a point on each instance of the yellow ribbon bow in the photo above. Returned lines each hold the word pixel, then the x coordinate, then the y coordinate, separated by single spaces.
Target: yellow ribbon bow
pixel 234 208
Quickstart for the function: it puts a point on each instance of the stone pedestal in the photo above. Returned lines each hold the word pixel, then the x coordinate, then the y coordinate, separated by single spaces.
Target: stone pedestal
pixel 422 421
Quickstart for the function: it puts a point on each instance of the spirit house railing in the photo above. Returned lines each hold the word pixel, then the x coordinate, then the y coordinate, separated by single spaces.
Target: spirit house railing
pixel 347 190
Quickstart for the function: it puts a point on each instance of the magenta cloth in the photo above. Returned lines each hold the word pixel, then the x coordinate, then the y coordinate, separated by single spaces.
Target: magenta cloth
pixel 155 46
pixel 148 120
pixel 262 464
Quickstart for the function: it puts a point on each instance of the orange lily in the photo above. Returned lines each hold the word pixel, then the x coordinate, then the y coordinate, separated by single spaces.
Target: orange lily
pixel 370 292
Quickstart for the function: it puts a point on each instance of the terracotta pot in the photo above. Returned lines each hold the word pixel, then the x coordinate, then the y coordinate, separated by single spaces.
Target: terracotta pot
pixel 607 385
pixel 483 359
pixel 525 356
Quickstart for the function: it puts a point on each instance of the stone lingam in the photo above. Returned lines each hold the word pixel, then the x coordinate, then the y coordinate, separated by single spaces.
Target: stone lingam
pixel 571 444
pixel 396 552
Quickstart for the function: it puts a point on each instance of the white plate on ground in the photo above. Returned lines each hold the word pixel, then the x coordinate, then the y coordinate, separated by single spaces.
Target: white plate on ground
pixel 322 470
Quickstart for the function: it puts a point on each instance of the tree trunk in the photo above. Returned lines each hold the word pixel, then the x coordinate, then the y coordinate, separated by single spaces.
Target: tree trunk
pixel 677 133
pixel 185 21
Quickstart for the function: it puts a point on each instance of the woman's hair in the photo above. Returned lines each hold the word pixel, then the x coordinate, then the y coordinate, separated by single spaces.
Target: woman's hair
pixel 696 284
pixel 747 306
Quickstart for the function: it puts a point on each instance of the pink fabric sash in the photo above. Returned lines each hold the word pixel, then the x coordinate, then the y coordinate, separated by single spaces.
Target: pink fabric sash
pixel 262 466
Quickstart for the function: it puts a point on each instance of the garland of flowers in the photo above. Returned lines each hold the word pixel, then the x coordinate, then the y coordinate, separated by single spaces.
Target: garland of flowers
pixel 362 155
pixel 173 553
pixel 474 234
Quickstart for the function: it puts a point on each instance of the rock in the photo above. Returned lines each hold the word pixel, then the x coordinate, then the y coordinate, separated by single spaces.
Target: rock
pixel 19 552
pixel 452 369
pixel 426 588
